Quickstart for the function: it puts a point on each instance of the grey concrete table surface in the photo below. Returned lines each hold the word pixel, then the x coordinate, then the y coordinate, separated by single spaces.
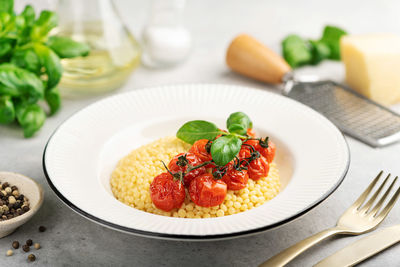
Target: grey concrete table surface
pixel 71 240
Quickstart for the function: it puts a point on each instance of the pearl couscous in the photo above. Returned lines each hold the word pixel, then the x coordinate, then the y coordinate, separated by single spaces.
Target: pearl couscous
pixel 131 179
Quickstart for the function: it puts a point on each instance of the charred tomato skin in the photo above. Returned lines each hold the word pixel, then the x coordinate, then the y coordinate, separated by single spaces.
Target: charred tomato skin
pixel 205 191
pixel 200 150
pixel 234 179
pixel 166 192
pixel 193 160
pixel 257 168
pixel 268 152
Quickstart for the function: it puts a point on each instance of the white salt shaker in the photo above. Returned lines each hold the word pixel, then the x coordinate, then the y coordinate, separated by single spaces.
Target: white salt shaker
pixel 166 41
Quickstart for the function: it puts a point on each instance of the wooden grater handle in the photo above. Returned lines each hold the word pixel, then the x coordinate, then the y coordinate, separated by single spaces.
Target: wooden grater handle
pixel 251 58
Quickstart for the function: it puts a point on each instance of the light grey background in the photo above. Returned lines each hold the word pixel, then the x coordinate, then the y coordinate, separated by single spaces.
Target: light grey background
pixel 72 240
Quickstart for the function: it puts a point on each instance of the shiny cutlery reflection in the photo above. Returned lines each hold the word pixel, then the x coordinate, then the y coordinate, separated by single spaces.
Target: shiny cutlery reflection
pixel 363 249
pixel 356 220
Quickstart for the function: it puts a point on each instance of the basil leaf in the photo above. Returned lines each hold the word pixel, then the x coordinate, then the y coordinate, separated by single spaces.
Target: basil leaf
pixel 5 48
pixel 320 51
pixel 24 23
pixel 51 63
pixel 7 26
pixel 238 122
pixel 67 48
pixel 7 6
pixel 331 37
pixel 47 20
pixel 237 128
pixel 29 15
pixel 296 51
pixel 18 82
pixel 225 148
pixel 192 131
pixel 7 111
pixel 27 59
pixel 31 117
pixel 53 99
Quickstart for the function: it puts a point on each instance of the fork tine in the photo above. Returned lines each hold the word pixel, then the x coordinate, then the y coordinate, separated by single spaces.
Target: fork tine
pixel 371 201
pixel 365 194
pixel 382 215
pixel 378 206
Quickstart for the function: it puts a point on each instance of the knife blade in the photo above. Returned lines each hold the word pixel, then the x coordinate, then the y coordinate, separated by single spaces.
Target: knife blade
pixel 363 249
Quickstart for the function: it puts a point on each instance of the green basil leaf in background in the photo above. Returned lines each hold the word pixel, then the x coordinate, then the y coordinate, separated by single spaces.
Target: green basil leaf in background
pixel 296 51
pixel 320 51
pixel 224 149
pixel 67 48
pixel 7 25
pixel 7 111
pixel 31 117
pixel 47 20
pixel 26 59
pixel 53 99
pixel 238 122
pixel 17 82
pixel 331 37
pixel 29 15
pixel 192 131
pixel 5 48
pixel 7 6
pixel 51 63
pixel 24 23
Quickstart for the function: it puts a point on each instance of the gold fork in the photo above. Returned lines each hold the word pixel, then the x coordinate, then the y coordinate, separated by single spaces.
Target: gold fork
pixel 355 220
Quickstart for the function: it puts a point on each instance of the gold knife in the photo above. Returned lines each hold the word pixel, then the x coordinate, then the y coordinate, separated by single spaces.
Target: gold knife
pixel 363 249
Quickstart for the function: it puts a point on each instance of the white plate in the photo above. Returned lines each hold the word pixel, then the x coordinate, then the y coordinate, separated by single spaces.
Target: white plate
pixel 312 156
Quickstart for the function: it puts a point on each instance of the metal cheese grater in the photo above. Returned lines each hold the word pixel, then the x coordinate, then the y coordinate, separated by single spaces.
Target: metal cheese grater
pixel 351 112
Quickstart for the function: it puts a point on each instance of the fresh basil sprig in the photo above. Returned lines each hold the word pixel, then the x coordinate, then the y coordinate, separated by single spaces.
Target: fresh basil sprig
pixel 30 66
pixel 225 148
pixel 238 122
pixel 7 111
pixel 192 131
pixel 67 48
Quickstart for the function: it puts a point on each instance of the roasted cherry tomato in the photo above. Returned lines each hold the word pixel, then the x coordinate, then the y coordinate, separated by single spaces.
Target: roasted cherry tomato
pixel 258 167
pixel 267 152
pixel 235 179
pixel 200 150
pixel 205 191
pixel 179 164
pixel 250 132
pixel 166 192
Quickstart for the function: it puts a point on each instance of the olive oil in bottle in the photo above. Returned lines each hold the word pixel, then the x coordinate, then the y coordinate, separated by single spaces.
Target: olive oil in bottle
pixel 114 51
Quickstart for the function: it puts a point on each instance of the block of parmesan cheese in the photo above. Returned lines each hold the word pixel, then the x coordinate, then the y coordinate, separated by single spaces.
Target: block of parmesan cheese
pixel 373 65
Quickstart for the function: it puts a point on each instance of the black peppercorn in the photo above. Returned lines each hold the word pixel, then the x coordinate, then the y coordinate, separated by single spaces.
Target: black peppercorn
pixel 15 244
pixel 25 248
pixel 42 228
pixel 29 242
